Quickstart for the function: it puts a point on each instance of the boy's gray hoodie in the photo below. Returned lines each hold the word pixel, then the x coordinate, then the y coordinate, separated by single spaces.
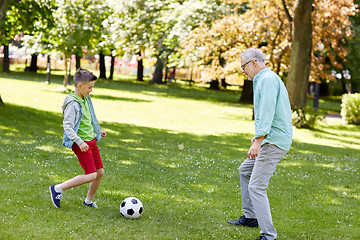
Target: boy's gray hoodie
pixel 72 117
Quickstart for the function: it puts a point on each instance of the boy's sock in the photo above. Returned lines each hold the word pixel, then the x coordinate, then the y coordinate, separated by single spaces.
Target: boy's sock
pixel 58 189
pixel 88 201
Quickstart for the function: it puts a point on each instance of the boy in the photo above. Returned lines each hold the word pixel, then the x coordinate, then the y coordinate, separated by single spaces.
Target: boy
pixel 82 131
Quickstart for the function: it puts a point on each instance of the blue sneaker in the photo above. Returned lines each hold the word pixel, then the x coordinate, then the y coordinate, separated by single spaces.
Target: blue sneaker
pixel 55 196
pixel 93 204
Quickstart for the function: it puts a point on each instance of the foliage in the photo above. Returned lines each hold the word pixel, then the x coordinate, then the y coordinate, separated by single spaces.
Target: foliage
pixel 331 27
pixel 266 25
pixel 31 17
pixel 78 25
pixel 302 120
pixel 353 58
pixel 350 108
pixel 158 26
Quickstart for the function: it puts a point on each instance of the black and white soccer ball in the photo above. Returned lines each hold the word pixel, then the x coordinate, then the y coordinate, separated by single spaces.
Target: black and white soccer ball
pixel 131 207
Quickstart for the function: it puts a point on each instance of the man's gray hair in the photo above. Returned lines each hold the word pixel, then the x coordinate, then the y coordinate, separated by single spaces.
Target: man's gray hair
pixel 253 54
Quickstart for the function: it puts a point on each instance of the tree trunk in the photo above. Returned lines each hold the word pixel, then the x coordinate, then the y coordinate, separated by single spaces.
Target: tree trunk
pixel 140 68
pixel 300 59
pixel 112 67
pixel 2 9
pixel 247 92
pixel 1 101
pixel 223 83
pixel 166 77
pixel 78 61
pixel 48 69
pixel 102 66
pixel 214 84
pixel 65 75
pixel 158 75
pixel 6 61
pixel 33 63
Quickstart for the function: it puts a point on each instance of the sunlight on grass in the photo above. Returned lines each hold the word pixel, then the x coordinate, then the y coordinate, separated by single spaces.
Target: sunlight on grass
pixel 170 165
pixel 331 165
pixel 47 131
pixel 48 148
pixel 9 129
pixel 206 188
pixel 127 162
pixel 293 164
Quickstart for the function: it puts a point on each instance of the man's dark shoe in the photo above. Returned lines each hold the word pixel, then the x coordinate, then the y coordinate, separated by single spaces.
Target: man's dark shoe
pixel 247 222
pixel 262 237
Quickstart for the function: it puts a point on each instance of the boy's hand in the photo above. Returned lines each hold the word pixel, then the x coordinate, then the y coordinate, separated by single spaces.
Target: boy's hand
pixel 103 134
pixel 84 147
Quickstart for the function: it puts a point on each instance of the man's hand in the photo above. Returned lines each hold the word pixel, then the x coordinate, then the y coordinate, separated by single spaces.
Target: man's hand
pixel 84 147
pixel 255 147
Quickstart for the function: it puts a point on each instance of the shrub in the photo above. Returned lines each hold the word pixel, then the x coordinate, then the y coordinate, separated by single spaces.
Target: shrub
pixel 350 108
pixel 302 120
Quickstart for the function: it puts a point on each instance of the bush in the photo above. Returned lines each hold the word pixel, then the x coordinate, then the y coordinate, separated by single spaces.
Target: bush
pixel 302 120
pixel 350 108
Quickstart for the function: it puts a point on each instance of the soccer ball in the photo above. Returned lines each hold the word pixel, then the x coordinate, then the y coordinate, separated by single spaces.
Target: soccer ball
pixel 131 207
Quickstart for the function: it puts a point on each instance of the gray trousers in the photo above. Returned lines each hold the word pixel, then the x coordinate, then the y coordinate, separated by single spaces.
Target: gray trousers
pixel 254 179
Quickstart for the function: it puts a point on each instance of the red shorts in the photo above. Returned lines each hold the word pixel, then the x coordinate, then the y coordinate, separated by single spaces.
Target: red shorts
pixel 90 160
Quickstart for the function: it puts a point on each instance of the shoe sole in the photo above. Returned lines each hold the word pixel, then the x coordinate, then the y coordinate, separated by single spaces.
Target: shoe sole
pixel 52 198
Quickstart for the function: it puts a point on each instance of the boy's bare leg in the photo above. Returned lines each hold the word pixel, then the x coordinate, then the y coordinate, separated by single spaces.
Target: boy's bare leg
pixel 94 185
pixel 78 180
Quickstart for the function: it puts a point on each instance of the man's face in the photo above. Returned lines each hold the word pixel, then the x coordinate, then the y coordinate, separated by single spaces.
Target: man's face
pixel 86 88
pixel 247 68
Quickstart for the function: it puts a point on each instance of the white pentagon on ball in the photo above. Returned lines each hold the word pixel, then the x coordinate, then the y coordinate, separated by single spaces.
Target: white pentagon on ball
pixel 131 207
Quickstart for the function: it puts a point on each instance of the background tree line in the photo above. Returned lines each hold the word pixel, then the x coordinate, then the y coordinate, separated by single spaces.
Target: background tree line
pixel 303 39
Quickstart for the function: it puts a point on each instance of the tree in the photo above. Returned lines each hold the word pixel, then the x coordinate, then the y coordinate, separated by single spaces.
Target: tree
pixel 77 27
pixel 157 26
pixel 22 17
pixel 27 17
pixel 2 8
pixel 353 59
pixel 300 58
pixel 134 23
pixel 177 21
pixel 268 26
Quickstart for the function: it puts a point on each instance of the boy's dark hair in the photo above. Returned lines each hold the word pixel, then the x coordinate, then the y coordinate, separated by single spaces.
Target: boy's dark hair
pixel 83 76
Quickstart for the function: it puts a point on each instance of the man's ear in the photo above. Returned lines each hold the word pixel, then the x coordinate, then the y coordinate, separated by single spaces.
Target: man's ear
pixel 254 62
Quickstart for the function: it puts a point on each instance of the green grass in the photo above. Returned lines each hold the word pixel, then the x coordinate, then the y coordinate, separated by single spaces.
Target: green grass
pixel 187 194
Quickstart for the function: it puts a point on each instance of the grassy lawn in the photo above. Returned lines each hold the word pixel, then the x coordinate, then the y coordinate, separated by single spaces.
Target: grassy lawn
pixel 187 194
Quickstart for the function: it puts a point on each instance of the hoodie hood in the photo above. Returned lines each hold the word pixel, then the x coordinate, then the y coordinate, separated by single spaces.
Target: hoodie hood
pixel 69 99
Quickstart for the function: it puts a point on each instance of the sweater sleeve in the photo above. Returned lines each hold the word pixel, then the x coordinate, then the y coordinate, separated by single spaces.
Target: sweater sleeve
pixel 69 124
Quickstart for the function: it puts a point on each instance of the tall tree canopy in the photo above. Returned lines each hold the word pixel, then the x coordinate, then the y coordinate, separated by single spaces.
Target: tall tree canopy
pixel 159 25
pixel 270 26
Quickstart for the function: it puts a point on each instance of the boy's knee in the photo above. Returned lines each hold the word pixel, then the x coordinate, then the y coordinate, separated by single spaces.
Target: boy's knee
pixel 92 176
pixel 100 172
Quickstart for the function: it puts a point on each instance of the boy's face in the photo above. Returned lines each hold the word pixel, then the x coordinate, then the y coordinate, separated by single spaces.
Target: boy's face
pixel 84 89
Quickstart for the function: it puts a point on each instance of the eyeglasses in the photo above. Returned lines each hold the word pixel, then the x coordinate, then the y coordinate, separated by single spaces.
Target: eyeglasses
pixel 243 66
